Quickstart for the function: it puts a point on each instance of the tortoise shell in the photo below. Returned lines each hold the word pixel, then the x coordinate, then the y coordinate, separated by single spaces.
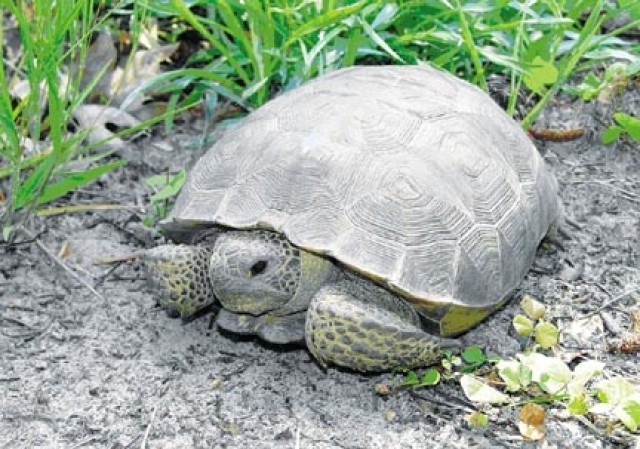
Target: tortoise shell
pixel 405 174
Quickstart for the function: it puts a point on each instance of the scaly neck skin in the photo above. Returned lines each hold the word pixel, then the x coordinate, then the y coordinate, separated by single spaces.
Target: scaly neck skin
pixel 316 271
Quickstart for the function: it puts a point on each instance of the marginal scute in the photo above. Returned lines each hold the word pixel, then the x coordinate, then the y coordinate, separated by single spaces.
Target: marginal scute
pixel 407 175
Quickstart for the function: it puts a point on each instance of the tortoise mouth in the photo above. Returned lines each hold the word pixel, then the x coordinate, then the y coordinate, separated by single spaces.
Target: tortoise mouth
pixel 241 297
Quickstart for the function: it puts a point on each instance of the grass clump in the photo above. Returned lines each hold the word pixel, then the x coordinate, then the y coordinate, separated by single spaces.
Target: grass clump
pixel 247 51
pixel 258 48
pixel 35 147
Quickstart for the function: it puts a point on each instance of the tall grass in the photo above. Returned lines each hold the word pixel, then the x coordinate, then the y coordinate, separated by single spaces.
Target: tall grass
pixel 257 48
pixel 53 35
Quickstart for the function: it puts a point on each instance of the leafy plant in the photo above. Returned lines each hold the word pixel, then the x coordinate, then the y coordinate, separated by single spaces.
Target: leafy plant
pixel 627 125
pixel 532 324
pixel 53 34
pixel 257 48
pixel 166 187
pixel 532 379
pixel 615 78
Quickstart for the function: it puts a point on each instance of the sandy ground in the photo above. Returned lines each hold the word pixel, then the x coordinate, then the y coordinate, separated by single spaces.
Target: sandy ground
pixel 80 370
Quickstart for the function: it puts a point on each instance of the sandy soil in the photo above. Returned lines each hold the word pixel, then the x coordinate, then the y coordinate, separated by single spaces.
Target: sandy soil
pixel 113 371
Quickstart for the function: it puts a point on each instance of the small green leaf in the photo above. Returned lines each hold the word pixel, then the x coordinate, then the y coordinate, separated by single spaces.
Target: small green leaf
pixel 611 134
pixel 546 335
pixel 477 419
pixel 615 390
pixel 515 374
pixel 72 181
pixel 523 325
pixel 550 373
pixel 171 188
pixel 578 405
pixel 532 307
pixel 590 87
pixel 629 414
pixel 630 124
pixel 582 374
pixel 430 377
pixel 473 355
pixel 542 73
pixel 6 232
pixel 410 379
pixel 478 391
pixel 156 180
pixel 508 372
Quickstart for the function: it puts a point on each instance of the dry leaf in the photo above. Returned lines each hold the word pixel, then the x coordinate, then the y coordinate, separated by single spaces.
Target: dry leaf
pixel 382 389
pixel 478 391
pixel 532 307
pixel 630 344
pixel 142 67
pixel 585 331
pixel 65 250
pixel 531 423
pixel 635 321
pixel 390 415
pixel 102 121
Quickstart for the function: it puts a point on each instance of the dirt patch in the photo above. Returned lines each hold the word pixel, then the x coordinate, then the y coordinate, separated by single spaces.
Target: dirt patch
pixel 113 371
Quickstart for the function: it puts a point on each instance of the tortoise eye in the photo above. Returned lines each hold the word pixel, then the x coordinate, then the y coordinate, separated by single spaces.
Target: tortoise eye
pixel 258 267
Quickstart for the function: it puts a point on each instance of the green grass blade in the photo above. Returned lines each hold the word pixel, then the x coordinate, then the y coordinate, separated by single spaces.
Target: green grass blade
pixel 375 37
pixel 26 193
pixel 567 64
pixel 27 162
pixel 324 21
pixel 467 36
pixel 187 15
pixel 239 33
pixel 60 188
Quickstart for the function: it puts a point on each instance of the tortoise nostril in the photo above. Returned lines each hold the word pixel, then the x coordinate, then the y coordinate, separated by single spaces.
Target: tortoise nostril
pixel 258 267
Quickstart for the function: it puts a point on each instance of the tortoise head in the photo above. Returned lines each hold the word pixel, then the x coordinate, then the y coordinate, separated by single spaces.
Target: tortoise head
pixel 250 272
pixel 179 275
pixel 254 272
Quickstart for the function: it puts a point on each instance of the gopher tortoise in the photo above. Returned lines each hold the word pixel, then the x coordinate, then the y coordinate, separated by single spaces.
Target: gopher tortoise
pixel 370 213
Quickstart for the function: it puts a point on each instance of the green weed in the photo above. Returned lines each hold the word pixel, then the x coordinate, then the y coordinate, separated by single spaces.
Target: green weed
pixel 53 34
pixel 532 377
pixel 166 188
pixel 259 48
pixel 626 125
pixel 256 49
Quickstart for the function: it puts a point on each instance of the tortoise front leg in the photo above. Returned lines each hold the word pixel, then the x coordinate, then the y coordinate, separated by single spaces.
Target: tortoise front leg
pixel 368 329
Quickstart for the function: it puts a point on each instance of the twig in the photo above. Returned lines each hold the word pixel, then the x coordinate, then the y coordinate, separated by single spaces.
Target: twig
pixel 118 260
pixel 104 277
pixel 297 444
pixel 610 303
pixel 83 208
pixel 148 431
pixel 465 407
pixel 63 265
pixel 88 440
pixel 29 241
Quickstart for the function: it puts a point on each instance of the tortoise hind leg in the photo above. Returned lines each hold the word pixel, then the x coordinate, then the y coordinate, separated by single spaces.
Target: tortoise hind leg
pixel 366 328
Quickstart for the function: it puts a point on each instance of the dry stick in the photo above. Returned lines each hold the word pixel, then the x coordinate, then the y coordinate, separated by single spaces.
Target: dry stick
pixel 297 443
pixel 610 303
pixel 114 260
pixel 148 431
pixel 63 265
